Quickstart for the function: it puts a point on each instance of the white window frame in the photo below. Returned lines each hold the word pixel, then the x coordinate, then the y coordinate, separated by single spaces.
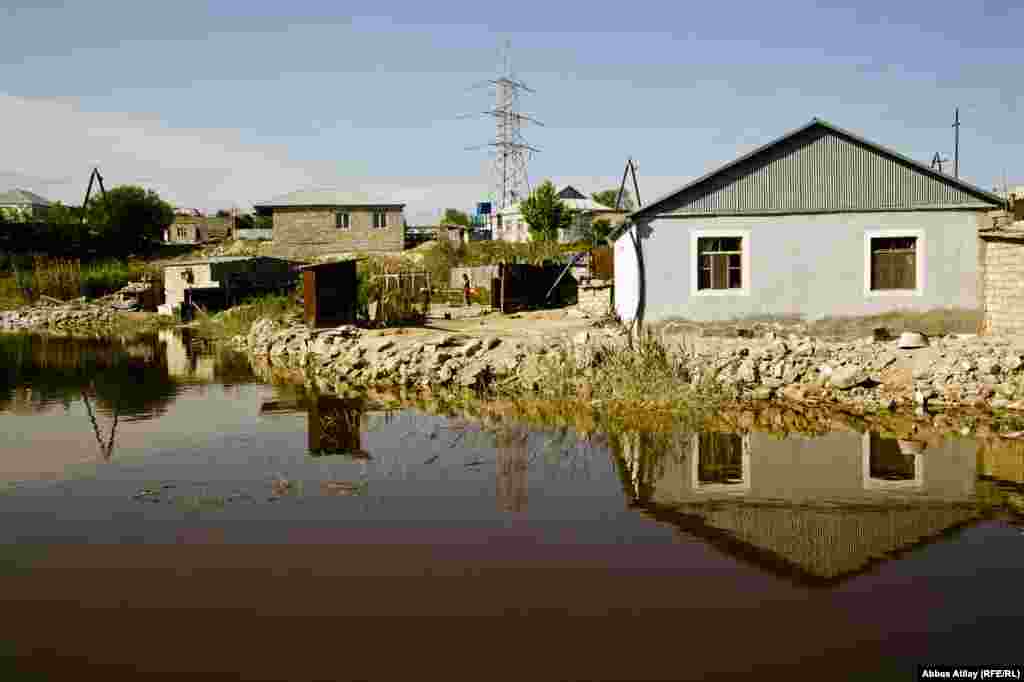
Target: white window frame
pixel 383 222
pixel 745 245
pixel 920 249
pixel 741 488
pixel 347 222
pixel 878 484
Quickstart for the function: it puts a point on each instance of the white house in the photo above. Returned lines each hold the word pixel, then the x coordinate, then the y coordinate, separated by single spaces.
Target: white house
pixel 819 222
pixel 22 204
pixel 512 226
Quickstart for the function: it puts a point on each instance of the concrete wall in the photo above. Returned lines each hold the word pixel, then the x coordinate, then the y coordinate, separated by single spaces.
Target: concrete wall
pixel 315 227
pixel 1002 275
pixel 809 264
pixel 479 276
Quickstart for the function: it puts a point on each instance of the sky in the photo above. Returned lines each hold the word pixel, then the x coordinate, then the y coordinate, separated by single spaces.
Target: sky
pixel 229 103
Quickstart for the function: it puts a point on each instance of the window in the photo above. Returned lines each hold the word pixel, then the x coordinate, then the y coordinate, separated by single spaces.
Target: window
pixel 891 464
pixel 341 220
pixel 893 263
pixel 718 263
pixel 380 220
pixel 721 463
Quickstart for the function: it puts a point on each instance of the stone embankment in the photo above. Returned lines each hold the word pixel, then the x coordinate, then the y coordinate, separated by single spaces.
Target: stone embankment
pixel 354 357
pixel 950 372
pixel 76 316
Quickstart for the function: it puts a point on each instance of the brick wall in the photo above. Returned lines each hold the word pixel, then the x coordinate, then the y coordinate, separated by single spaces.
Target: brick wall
pixel 315 227
pixel 1002 285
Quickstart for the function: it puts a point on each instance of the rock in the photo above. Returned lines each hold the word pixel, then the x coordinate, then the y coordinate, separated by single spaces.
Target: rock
pixel 999 403
pixel 912 340
pixel 848 377
pixel 491 342
pixel 762 393
pixel 470 349
pixel 747 372
pixel 1013 362
pixel 988 366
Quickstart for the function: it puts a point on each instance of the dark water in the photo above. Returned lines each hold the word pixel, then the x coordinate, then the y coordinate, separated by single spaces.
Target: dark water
pixel 164 512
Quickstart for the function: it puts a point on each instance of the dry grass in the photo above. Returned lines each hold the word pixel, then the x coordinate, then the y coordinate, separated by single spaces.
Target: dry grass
pixel 67 278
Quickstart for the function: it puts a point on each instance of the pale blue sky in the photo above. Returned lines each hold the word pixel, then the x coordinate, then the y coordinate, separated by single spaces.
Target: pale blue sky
pixel 230 102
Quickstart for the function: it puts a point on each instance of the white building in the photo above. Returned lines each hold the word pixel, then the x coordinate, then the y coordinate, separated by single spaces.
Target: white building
pixel 512 227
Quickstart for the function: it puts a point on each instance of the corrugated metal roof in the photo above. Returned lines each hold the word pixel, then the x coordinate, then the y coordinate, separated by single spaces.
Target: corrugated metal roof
pixel 819 167
pixel 328 197
pixel 212 260
pixel 22 197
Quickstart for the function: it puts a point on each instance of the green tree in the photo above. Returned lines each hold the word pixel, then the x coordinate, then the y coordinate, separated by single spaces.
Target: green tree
pixel 608 196
pixel 129 218
pixel 453 216
pixel 545 213
pixel 244 222
pixel 599 230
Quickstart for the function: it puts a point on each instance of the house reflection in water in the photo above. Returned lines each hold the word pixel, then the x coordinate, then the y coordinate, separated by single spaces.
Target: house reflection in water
pixel 512 469
pixel 815 509
pixel 182 362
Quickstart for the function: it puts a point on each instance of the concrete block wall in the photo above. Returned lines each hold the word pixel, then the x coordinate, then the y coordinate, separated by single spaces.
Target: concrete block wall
pixel 315 227
pixel 595 300
pixel 1002 284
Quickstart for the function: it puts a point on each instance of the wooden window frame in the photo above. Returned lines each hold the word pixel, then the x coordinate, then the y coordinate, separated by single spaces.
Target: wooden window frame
pixel 342 220
pixel 920 257
pixel 383 220
pixel 741 488
pixel 745 249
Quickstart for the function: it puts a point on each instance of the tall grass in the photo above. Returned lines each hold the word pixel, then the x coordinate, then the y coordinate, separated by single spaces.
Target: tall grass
pixel 237 321
pixel 67 278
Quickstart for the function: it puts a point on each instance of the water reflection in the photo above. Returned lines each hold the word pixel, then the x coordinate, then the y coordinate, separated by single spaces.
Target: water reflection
pixel 816 509
pixel 334 425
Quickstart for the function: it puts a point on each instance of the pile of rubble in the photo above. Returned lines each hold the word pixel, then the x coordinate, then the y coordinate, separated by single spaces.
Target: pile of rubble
pixel 76 315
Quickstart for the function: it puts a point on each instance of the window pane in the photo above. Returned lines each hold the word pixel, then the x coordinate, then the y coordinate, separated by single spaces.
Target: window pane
pixel 729 244
pixel 735 280
pixel 720 458
pixel 719 271
pixel 703 245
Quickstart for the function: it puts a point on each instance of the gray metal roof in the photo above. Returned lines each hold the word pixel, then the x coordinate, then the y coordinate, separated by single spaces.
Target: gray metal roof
pixel 328 197
pixel 213 260
pixel 819 167
pixel 22 197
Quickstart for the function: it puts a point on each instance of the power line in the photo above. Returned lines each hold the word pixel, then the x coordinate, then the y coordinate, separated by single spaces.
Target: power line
pixel 511 153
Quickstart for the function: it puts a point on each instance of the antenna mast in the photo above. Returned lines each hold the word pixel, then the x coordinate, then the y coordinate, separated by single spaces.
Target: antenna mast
pixel 511 152
pixel 956 144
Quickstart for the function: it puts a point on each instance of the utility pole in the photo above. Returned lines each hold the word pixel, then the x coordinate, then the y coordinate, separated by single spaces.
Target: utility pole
pixel 956 143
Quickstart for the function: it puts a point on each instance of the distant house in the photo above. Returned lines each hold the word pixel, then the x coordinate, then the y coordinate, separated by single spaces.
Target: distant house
pixel 316 222
pixel 819 222
pixel 187 229
pixel 20 204
pixel 512 227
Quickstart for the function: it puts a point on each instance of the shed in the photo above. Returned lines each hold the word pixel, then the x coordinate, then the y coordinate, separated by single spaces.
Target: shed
pixel 819 222
pixel 224 278
pixel 330 293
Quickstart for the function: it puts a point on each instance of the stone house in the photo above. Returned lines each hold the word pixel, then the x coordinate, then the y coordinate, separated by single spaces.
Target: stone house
pixel 312 223
pixel 1001 265
pixel 20 204
pixel 187 230
pixel 819 222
